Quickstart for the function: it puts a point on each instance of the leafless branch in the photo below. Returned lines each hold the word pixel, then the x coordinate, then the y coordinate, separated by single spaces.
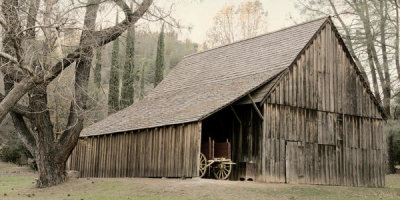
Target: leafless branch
pixel 9 57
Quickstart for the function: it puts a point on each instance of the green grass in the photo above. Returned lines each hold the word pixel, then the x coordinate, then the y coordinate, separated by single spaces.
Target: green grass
pixel 391 191
pixel 16 184
pixel 12 183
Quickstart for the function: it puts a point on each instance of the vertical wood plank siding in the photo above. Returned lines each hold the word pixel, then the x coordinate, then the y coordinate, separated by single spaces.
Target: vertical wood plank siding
pixel 322 107
pixel 170 151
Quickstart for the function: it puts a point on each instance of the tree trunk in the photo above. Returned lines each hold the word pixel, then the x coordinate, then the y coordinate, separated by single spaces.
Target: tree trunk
pixel 387 85
pixel 50 156
pixel 397 56
pixel 372 50
pixel 362 12
pixel 22 130
pixel 50 172
pixel 348 41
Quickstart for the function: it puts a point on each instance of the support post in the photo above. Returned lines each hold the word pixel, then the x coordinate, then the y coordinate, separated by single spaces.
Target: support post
pixel 255 107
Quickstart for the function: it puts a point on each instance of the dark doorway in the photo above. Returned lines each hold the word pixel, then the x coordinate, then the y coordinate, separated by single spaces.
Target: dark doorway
pixel 218 127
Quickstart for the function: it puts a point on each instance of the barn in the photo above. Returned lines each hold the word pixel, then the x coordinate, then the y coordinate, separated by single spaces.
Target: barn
pixel 290 105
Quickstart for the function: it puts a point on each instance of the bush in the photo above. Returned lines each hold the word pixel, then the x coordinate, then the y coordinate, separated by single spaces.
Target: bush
pixel 396 149
pixel 13 150
pixel 392 131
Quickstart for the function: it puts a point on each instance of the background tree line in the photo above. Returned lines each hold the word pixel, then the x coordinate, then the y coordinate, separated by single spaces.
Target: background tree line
pixel 143 71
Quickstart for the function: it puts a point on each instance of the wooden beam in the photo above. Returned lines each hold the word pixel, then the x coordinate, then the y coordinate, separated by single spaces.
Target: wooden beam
pixel 236 115
pixel 255 107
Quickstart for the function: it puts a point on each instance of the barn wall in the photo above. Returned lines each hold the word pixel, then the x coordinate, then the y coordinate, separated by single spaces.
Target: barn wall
pixel 170 151
pixel 321 124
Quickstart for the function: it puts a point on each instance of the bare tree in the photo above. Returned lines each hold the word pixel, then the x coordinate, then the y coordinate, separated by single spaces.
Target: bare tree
pixel 27 28
pixel 249 16
pixel 252 18
pixel 223 30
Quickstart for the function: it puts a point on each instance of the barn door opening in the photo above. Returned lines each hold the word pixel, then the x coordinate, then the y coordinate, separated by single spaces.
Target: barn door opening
pixel 294 172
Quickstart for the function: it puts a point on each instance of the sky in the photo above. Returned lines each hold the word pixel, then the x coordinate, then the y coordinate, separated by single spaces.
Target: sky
pixel 199 15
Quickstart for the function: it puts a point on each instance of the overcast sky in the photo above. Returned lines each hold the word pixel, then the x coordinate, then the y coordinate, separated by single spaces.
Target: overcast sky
pixel 199 14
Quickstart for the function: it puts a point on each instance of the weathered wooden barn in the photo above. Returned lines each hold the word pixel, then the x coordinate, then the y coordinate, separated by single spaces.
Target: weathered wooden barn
pixel 292 102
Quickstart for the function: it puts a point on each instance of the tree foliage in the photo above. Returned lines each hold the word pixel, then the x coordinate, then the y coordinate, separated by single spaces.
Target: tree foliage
pixel 127 91
pixel 159 72
pixel 142 78
pixel 113 85
pixel 97 69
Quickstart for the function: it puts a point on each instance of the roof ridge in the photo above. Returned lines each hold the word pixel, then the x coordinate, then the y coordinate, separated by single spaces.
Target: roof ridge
pixel 282 29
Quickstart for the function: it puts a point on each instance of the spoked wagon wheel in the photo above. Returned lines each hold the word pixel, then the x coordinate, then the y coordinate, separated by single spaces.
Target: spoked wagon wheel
pixel 222 171
pixel 203 165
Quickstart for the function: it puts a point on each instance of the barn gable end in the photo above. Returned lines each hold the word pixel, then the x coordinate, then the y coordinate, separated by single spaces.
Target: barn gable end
pixel 324 77
pixel 324 117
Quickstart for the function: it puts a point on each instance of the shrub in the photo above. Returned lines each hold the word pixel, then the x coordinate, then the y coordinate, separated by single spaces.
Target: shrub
pixel 396 149
pixel 13 150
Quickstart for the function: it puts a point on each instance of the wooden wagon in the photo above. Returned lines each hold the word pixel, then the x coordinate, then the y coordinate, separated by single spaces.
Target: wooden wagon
pixel 215 158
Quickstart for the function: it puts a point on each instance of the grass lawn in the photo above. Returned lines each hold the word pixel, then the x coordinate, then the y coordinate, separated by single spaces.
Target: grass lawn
pixel 18 183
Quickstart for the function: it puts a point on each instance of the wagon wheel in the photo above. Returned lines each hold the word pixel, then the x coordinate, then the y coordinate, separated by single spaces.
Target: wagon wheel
pixel 222 171
pixel 203 165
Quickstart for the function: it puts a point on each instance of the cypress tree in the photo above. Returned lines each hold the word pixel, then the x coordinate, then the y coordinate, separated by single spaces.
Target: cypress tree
pixel 97 82
pixel 142 74
pixel 97 69
pixel 159 72
pixel 127 91
pixel 113 94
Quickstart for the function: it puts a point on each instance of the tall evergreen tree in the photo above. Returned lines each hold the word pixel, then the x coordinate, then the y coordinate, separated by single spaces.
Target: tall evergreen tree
pixel 97 69
pixel 113 94
pixel 94 103
pixel 127 91
pixel 159 72
pixel 142 74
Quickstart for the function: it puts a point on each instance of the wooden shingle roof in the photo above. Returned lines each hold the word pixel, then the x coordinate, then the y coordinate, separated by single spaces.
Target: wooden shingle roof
pixel 206 82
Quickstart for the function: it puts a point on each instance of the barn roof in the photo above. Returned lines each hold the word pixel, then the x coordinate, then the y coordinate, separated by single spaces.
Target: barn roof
pixel 206 82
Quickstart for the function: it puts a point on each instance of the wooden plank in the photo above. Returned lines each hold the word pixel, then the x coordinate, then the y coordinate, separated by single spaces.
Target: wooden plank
pixel 331 69
pixel 295 85
pixel 282 161
pixel 300 88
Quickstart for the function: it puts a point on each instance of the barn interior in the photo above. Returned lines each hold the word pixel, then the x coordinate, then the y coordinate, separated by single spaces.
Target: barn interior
pixel 241 126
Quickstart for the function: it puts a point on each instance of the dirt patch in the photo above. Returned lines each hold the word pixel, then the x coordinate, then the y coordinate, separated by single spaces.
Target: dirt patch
pixel 9 169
